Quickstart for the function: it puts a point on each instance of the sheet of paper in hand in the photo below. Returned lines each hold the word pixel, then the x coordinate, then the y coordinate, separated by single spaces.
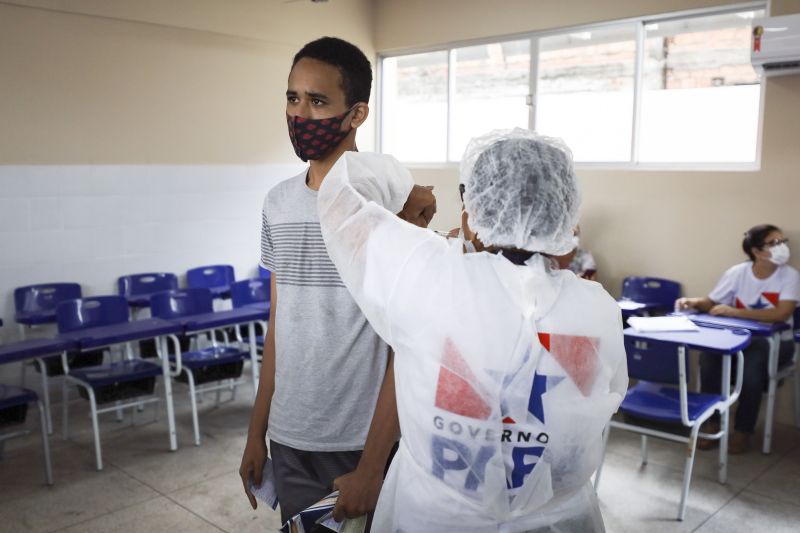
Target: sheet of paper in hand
pixel 266 492
pixel 320 515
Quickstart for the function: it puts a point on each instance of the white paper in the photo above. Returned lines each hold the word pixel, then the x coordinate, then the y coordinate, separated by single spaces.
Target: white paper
pixel 630 305
pixel 266 492
pixel 654 324
pixel 351 525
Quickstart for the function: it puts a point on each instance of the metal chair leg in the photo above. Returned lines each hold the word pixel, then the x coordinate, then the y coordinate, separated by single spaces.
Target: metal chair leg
pixel 687 472
pixel 644 450
pixel 193 397
pixel 96 430
pixel 48 467
pixel 46 395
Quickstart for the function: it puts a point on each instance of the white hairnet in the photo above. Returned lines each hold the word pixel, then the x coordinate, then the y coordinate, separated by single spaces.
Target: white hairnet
pixel 520 191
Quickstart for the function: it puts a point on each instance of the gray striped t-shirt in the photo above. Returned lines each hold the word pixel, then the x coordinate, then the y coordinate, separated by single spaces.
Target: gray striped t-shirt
pixel 329 361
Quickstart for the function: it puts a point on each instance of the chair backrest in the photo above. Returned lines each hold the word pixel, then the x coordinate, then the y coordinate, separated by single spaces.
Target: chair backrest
pixel 82 313
pixel 181 302
pixel 44 297
pixel 656 291
pixel 263 273
pixel 148 283
pixel 654 361
pixel 210 276
pixel 249 291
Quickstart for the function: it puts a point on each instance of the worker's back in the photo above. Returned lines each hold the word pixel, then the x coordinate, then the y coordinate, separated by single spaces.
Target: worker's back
pixel 503 393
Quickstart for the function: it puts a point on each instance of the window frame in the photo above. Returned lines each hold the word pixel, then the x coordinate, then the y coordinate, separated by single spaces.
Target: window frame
pixel 533 37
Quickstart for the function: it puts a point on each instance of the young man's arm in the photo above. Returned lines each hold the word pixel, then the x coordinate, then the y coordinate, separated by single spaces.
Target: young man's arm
pixel 359 490
pixel 255 451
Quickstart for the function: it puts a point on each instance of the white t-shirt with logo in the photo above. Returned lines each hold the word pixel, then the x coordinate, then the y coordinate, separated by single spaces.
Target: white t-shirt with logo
pixel 740 288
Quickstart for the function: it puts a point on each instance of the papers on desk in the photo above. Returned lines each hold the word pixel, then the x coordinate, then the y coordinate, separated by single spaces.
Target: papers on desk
pixel 661 324
pixel 321 514
pixel 630 305
pixel 266 492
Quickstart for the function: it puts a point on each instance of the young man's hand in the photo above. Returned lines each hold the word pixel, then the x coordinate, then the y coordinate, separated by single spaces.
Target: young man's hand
pixel 420 206
pixel 253 459
pixel 358 494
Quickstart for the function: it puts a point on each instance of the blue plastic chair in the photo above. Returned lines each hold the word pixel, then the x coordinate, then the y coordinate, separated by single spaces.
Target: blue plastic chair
pixel 661 406
pixel 14 403
pixel 137 288
pixel 657 294
pixel 216 278
pixel 123 383
pixel 36 304
pixel 254 291
pixel 250 292
pixel 215 367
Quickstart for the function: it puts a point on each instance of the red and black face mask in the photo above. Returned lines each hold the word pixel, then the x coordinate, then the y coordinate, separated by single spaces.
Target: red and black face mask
pixel 315 138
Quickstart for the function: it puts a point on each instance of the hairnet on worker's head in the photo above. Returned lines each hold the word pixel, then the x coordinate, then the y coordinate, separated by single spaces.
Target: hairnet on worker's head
pixel 520 191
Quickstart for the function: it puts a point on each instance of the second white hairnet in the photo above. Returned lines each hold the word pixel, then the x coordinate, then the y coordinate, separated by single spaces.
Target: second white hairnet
pixel 520 191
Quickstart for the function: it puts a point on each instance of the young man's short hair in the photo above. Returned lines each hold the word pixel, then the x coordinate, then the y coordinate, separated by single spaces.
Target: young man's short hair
pixel 351 62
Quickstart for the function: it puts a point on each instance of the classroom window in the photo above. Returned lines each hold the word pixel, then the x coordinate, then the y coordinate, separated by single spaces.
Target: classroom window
pixel 661 90
pixel 585 91
pixel 700 96
pixel 415 100
pixel 490 86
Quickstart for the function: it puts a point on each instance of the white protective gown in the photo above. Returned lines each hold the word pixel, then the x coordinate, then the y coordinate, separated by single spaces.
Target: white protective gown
pixel 505 375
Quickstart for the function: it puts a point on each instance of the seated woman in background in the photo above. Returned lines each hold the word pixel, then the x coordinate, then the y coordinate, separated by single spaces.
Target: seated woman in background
pixel 764 288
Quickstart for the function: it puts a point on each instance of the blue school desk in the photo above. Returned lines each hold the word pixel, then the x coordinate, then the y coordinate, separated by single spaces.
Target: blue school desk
pixel 725 342
pixel 37 350
pixel 125 332
pixel 772 332
pixel 246 315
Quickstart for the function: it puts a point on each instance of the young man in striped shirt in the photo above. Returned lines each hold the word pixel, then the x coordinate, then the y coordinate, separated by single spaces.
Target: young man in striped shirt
pixel 326 395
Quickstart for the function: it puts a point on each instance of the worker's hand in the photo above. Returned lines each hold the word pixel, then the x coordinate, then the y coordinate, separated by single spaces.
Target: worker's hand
pixel 358 493
pixel 420 206
pixel 453 233
pixel 253 459
pixel 724 310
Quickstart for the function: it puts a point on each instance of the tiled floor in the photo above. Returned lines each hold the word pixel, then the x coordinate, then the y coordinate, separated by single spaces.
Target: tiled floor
pixel 146 488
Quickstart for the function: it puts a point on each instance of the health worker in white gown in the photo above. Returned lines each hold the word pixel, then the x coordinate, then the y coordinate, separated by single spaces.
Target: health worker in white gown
pixel 506 369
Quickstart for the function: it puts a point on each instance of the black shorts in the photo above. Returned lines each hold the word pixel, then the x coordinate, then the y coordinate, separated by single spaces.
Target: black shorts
pixel 302 478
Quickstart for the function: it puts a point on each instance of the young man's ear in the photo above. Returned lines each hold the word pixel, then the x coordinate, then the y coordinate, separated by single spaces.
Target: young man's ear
pixel 359 114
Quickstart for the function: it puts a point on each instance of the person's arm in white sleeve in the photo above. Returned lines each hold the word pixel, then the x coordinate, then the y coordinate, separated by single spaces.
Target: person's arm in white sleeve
pixel 368 243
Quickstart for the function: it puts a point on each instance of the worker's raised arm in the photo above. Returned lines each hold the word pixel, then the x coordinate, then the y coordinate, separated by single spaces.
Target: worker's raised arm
pixel 370 246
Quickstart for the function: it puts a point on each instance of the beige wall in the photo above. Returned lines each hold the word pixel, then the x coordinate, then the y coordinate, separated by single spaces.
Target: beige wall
pixel 681 225
pixel 402 24
pixel 148 81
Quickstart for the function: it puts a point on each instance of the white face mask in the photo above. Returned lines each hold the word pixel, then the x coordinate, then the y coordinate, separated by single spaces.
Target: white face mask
pixel 779 254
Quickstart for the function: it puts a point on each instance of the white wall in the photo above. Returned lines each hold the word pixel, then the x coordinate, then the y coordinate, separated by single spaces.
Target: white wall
pixel 91 224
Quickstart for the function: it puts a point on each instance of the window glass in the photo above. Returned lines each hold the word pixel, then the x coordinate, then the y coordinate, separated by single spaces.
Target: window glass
pixel 585 91
pixel 492 82
pixel 700 98
pixel 414 122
